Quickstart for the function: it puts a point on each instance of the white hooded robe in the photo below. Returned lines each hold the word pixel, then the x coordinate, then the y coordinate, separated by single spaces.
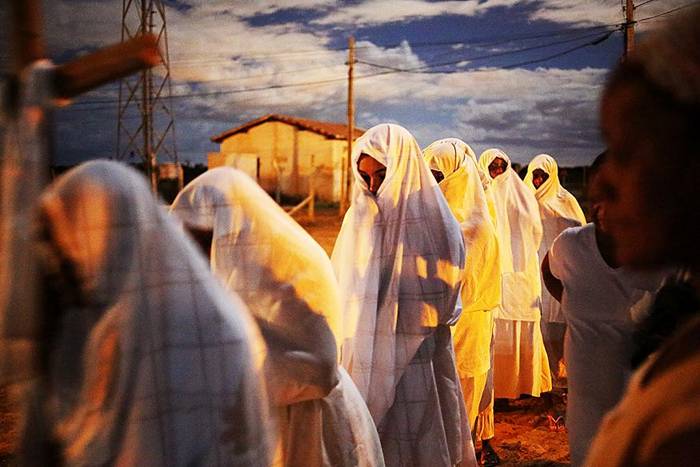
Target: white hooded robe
pixel 398 259
pixel 149 362
pixel 520 359
pixel 287 281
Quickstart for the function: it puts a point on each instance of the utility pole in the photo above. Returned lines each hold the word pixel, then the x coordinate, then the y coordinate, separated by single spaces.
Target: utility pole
pixel 629 28
pixel 346 177
pixel 146 123
pixel 146 85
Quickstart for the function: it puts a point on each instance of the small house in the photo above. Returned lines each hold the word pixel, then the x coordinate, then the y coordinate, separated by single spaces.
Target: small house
pixel 287 153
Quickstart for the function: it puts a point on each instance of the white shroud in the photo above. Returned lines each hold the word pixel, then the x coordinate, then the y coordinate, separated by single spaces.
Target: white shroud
pixel 520 360
pixel 151 363
pixel 398 259
pixel 559 210
pixel 287 281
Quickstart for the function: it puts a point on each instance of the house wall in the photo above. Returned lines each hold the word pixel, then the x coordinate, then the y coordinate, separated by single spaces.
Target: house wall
pixel 296 153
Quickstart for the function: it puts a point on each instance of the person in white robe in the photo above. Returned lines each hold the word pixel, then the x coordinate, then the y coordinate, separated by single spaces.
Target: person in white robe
pixel 597 298
pixel 398 259
pixel 287 281
pixel 520 359
pixel 559 210
pixel 485 427
pixel 453 163
pixel 146 359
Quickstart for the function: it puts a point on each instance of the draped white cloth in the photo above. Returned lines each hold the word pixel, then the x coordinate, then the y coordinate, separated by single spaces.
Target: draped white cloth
pixel 149 361
pixel 287 281
pixel 519 230
pixel 464 192
pixel 398 259
pixel 521 365
pixel 559 210
pixel 481 288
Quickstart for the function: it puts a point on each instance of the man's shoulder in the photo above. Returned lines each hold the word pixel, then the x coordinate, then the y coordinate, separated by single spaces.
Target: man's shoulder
pixel 576 235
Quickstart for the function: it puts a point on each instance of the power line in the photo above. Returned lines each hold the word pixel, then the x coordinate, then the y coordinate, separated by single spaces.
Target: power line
pixel 94 105
pixel 479 40
pixel 643 3
pixel 304 70
pixel 689 5
pixel 482 57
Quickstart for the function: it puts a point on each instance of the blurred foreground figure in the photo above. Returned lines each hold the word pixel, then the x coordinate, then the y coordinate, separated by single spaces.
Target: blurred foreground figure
pixel 598 298
pixel 286 280
pixel 146 360
pixel 453 164
pixel 520 359
pixel 559 210
pixel 398 259
pixel 650 114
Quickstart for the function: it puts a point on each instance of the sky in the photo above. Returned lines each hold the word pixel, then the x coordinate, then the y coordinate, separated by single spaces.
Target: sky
pixel 521 75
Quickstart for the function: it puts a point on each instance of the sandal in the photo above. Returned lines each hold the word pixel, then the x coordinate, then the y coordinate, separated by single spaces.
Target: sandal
pixel 488 457
pixel 556 424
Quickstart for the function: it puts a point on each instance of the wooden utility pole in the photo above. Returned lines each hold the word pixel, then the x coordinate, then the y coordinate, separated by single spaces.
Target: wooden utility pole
pixel 629 28
pixel 346 177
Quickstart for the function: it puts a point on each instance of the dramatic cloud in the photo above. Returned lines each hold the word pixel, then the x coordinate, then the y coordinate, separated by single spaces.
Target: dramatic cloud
pixel 385 11
pixel 235 61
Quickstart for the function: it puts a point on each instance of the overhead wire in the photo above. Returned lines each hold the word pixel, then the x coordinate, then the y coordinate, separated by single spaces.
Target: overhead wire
pixel 480 40
pixel 665 13
pixel 421 69
pixel 643 3
pixel 90 105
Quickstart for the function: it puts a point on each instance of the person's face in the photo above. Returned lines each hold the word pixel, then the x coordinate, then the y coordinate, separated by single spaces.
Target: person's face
pixel 438 175
pixel 539 176
pixel 497 167
pixel 372 172
pixel 633 184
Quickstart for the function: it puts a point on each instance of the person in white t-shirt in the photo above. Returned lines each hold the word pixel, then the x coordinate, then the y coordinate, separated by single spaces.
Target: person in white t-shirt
pixel 596 297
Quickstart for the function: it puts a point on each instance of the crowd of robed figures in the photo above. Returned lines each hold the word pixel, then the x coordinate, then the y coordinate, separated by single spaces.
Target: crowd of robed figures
pixel 220 333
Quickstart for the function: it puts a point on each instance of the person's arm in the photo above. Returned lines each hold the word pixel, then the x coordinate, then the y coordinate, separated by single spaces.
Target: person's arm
pixel 553 285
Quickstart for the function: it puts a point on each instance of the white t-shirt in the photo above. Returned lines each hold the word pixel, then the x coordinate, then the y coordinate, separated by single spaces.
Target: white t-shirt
pixel 596 304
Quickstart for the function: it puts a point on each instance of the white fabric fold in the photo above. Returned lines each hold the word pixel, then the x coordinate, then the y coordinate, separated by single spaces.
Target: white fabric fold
pixel 464 192
pixel 287 281
pixel 151 362
pixel 519 229
pixel 559 210
pixel 398 259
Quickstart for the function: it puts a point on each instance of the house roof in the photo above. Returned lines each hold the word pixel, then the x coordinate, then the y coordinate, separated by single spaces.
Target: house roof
pixel 327 129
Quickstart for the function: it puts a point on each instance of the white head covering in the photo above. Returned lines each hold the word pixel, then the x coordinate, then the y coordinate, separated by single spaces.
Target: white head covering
pixel 553 198
pixel 519 230
pixel 398 259
pixel 151 363
pixel 559 210
pixel 464 192
pixel 279 271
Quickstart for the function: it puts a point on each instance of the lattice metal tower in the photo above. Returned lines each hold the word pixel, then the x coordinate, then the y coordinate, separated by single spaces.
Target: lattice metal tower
pixel 146 123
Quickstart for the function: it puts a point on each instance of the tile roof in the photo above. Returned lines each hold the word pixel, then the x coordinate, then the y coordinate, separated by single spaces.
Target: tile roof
pixel 327 129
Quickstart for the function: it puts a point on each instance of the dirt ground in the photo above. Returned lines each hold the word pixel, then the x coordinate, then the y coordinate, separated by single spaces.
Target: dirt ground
pixel 523 437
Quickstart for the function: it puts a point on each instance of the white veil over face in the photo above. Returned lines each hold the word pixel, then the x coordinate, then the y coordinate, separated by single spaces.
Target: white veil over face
pixel 519 230
pixel 559 210
pixel 150 361
pixel 280 272
pixel 398 259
